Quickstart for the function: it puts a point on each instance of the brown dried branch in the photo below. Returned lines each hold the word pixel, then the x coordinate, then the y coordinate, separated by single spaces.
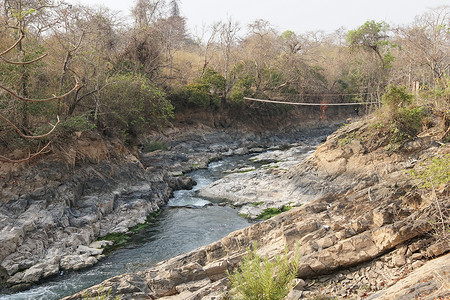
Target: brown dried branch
pixel 13 46
pixel 77 86
pixel 23 62
pixel 30 136
pixel 30 156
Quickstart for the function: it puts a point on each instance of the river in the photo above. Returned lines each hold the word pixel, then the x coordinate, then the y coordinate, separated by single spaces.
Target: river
pixel 186 223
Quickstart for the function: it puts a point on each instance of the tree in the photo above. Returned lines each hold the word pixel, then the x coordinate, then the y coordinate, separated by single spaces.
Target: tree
pixel 373 36
pixel 132 102
pixel 145 12
pixel 426 46
pixel 172 31
pixel 228 37
pixel 25 99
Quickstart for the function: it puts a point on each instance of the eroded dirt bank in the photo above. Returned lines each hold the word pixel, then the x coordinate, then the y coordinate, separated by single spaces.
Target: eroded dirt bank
pixel 364 229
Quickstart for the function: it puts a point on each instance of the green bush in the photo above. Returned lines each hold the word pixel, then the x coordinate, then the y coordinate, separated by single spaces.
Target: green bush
pixel 396 97
pixel 197 94
pixel 77 123
pixel 436 174
pixel 214 80
pixel 258 278
pixel 271 212
pixel 399 117
pixel 132 103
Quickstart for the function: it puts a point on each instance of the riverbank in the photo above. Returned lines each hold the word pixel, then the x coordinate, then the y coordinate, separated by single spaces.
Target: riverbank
pixel 53 209
pixel 366 233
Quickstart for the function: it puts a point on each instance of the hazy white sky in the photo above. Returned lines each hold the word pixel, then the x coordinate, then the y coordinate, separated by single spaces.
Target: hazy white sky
pixel 296 15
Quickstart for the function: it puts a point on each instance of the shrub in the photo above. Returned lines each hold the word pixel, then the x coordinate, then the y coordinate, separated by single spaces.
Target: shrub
pixel 132 103
pixel 271 212
pixel 77 123
pixel 436 174
pixel 396 97
pixel 197 94
pixel 258 278
pixel 401 120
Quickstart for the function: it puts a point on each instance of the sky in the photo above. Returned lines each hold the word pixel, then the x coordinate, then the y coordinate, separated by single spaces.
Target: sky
pixel 299 16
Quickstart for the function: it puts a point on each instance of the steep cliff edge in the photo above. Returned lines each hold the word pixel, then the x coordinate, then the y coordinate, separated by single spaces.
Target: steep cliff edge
pixel 364 227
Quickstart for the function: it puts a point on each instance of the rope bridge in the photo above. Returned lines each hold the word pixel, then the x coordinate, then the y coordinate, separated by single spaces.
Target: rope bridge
pixel 309 104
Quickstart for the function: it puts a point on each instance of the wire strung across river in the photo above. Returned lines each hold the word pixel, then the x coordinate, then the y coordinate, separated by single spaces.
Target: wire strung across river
pixel 309 104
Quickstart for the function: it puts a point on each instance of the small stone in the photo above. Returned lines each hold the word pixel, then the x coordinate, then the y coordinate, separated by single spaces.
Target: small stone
pixel 438 248
pixel 416 256
pixel 299 284
pixel 417 264
pixel 294 295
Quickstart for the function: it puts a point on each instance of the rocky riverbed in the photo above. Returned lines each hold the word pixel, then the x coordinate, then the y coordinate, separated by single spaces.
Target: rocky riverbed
pixel 364 228
pixel 53 210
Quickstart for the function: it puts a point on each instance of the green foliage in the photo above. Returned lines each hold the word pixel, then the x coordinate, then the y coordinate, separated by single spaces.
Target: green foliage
pixel 348 138
pixel 101 295
pixel 197 94
pixel 121 239
pixel 372 36
pixel 436 174
pixel 273 78
pixel 396 97
pixel 399 118
pixel 258 278
pixel 243 84
pixel 271 212
pixel 368 34
pixel 214 80
pixel 288 34
pixel 132 103
pixel 205 92
pixel 78 123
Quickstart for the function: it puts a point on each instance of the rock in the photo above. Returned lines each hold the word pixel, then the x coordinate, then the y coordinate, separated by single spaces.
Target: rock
pixel 294 295
pixel 89 251
pixel 299 284
pixel 439 248
pixel 417 264
pixel 77 262
pixel 101 244
pixel 241 151
pixel 181 183
pixel 416 256
pixel 429 279
pixel 10 238
pixel 399 260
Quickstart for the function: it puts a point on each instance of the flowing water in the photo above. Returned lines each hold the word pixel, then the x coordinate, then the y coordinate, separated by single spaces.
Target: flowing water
pixel 188 222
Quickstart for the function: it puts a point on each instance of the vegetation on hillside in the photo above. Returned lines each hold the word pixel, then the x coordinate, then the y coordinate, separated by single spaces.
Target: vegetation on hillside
pixel 135 75
pixel 258 277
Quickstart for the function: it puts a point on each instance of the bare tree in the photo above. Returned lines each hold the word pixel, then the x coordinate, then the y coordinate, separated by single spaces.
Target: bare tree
pixel 426 44
pixel 20 25
pixel 207 55
pixel 27 100
pixel 145 12
pixel 228 38
pixel 172 31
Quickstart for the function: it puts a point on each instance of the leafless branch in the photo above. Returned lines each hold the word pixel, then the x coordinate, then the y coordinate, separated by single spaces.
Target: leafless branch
pixel 30 136
pixel 13 46
pixel 24 62
pixel 30 156
pixel 77 86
